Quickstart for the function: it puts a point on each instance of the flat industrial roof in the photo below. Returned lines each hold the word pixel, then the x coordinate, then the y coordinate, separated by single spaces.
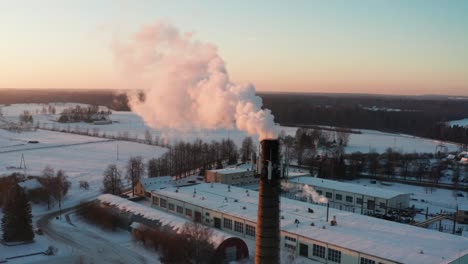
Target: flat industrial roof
pixel 231 170
pixel 463 206
pixel 347 187
pixel 384 239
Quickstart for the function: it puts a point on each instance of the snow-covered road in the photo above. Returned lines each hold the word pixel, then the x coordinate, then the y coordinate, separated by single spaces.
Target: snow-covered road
pixel 86 245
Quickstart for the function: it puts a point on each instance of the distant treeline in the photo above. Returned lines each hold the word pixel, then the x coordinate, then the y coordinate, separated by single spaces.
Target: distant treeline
pixel 113 99
pixel 416 115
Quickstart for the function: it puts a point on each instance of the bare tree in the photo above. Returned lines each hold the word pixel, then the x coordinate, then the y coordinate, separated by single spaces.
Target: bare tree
pixel 247 149
pixel 60 186
pixel 112 182
pixel 199 247
pixel 148 137
pixel 342 137
pixel 47 175
pixel 135 171
pixel 153 168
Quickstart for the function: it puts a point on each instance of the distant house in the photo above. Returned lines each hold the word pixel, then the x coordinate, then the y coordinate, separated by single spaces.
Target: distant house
pixel 146 185
pixel 238 176
pixel 30 185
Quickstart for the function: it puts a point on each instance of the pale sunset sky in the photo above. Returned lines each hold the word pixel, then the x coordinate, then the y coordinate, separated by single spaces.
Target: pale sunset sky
pixel 368 46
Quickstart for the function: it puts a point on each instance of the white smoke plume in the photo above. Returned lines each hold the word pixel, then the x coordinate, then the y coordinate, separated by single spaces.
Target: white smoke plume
pixel 187 85
pixel 310 193
pixel 307 192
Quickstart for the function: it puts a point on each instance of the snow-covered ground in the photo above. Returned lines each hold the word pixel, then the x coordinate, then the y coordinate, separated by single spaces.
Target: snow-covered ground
pixel 376 141
pixel 461 122
pixel 80 162
pixel 128 122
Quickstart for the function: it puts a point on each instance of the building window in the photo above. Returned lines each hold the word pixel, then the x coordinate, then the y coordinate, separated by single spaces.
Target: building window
pixel 359 200
pixel 318 251
pixel 382 205
pixel 370 204
pixel 188 212
pixel 171 207
pixel 250 230
pixel 328 195
pixel 163 203
pixel 292 239
pixel 156 200
pixel 227 223
pixel 319 192
pixel 207 214
pixel 338 197
pixel 238 227
pixel 349 199
pixel 303 250
pixel 367 261
pixel 334 255
pixel 180 210
pixel 289 246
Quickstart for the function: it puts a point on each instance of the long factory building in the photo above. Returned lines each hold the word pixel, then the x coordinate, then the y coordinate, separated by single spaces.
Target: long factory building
pixel 305 231
pixel 349 196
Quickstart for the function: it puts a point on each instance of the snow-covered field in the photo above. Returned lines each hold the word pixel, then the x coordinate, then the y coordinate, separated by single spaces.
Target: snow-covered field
pixel 461 122
pixel 85 162
pixel 376 141
pixel 128 122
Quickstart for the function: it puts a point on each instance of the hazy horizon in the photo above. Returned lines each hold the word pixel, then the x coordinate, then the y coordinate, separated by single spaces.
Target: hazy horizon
pixel 364 47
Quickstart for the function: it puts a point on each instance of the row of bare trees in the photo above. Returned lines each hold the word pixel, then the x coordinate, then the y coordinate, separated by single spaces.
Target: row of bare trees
pixel 113 181
pixel 181 160
pixel 86 114
pixel 193 238
pixel 185 158
pixel 308 142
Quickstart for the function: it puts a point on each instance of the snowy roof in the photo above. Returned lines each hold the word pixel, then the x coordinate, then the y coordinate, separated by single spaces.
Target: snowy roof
pixel 30 184
pixel 347 187
pixel 463 206
pixel 155 180
pixel 174 221
pixel 155 183
pixel 373 236
pixel 232 170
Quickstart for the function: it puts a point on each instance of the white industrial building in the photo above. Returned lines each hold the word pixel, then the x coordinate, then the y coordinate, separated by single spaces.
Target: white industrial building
pixel 306 229
pixel 237 176
pixel 348 196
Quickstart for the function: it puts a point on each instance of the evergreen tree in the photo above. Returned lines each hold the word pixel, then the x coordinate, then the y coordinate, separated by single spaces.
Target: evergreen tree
pixel 17 218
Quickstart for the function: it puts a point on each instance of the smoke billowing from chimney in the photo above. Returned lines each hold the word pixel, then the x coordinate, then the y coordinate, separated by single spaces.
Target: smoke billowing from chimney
pixel 187 85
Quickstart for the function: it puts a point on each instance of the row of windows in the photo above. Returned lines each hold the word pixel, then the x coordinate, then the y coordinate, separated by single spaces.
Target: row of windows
pixel 238 227
pixel 289 246
pixel 349 199
pixel 227 223
pixel 319 251
pixel 250 230
pixel 367 261
pixel 293 239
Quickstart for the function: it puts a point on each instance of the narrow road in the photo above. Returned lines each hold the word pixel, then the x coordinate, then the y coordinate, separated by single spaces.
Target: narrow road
pixel 85 243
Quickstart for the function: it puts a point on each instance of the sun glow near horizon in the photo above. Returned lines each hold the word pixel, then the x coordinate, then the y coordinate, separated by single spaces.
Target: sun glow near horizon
pixel 362 47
